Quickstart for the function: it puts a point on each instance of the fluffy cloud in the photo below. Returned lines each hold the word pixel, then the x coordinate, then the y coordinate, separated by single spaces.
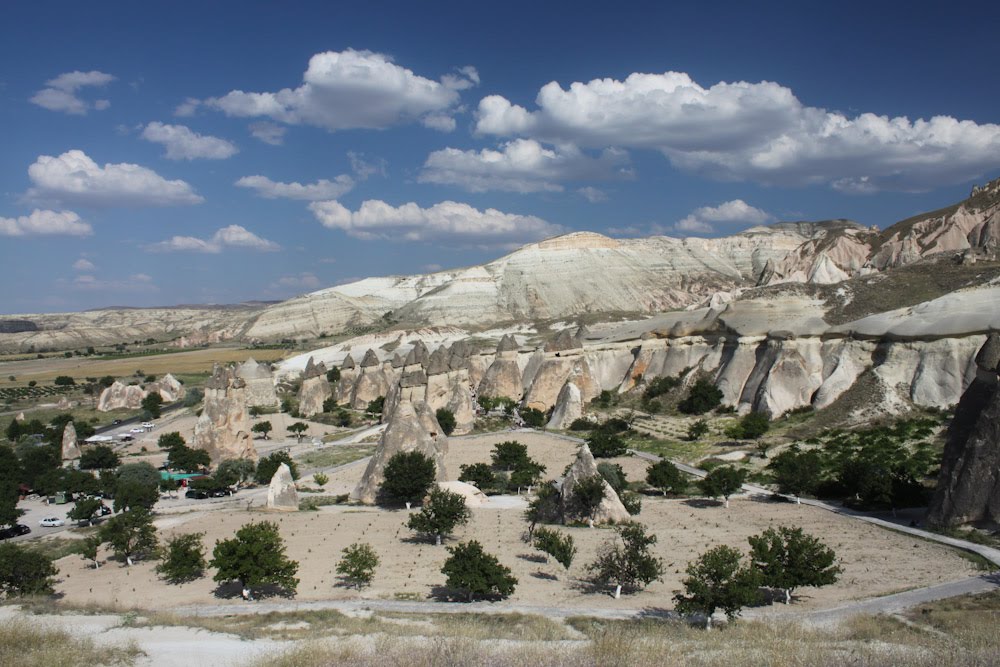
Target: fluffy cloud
pixel 83 264
pixel 73 177
pixel 751 131
pixel 45 223
pixel 60 93
pixel 184 144
pixel 321 189
pixel 593 195
pixel 187 108
pixel 350 90
pixel 269 133
pixel 703 220
pixel 448 222
pixel 364 168
pixel 522 165
pixel 232 236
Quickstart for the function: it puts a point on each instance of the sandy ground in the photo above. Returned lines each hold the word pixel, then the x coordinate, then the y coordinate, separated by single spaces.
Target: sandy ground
pixel 875 561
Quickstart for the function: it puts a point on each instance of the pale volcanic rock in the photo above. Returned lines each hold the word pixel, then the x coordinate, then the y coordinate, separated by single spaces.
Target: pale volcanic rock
pixel 70 447
pixel 611 509
pixel 348 376
pixel 120 396
pixel 503 378
pixel 792 378
pixel 407 430
pixel 569 407
pixel 282 496
pixel 371 383
pixel 315 389
pixel 223 429
pixel 529 365
pixel 473 496
pixel 169 388
pixel 554 372
pixel 450 390
pixel 844 361
pixel 259 382
pixel 836 253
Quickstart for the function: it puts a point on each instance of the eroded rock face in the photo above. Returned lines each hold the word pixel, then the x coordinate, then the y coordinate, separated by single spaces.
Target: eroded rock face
pixel 968 488
pixel 553 374
pixel 70 448
pixel 315 389
pixel 223 429
pixel 503 377
pixel 411 427
pixel 611 509
pixel 169 388
pixel 281 494
pixel 450 390
pixel 372 382
pixel 260 383
pixel 120 396
pixel 569 407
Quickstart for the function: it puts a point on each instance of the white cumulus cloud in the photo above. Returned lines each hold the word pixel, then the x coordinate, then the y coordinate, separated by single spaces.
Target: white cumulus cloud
pixel 182 143
pixel 269 133
pixel 45 223
pixel 75 178
pixel 703 220
pixel 352 90
pixel 751 131
pixel 83 264
pixel 60 93
pixel 233 236
pixel 522 165
pixel 321 189
pixel 447 222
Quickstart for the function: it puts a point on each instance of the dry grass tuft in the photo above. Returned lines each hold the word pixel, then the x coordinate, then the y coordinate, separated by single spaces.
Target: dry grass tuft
pixel 26 644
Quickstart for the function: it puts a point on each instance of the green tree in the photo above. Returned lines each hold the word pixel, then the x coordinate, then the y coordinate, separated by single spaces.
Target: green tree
pixel 555 544
pixel 749 427
pixel 474 573
pixel 479 474
pixel 527 474
pixel 88 549
pixel 64 381
pixel 509 455
pixel 586 497
pixel 613 475
pixel 626 561
pixel 440 515
pixel 702 397
pixel 797 472
pixel 406 478
pixel 188 459
pixel 446 419
pixel 321 479
pixel 545 507
pixel 84 509
pixel 533 418
pixel 268 465
pixel 25 571
pixel 604 444
pixel 697 430
pixel 255 411
pixel 375 406
pixel 131 534
pixel 298 429
pixel 722 482
pixel 264 428
pixel 716 580
pixel 666 477
pixel 357 564
pixel 136 485
pixel 183 559
pixel 99 457
pixel 254 558
pixel 333 375
pixel 233 472
pixel 171 440
pixel 788 558
pixel 152 404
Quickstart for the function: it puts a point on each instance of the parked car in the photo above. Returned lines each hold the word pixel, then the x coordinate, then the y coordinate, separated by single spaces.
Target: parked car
pixel 116 422
pixel 137 429
pixel 51 522
pixel 221 493
pixel 14 531
pixel 147 425
pixel 197 494
pixel 103 510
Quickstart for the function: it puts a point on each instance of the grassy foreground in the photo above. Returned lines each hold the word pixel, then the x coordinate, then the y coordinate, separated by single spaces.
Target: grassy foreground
pixel 27 644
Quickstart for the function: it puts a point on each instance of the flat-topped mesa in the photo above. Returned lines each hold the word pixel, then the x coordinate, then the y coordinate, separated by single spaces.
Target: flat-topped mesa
pixel 315 389
pixel 223 429
pixel 610 509
pixel 259 383
pixel 968 489
pixel 411 427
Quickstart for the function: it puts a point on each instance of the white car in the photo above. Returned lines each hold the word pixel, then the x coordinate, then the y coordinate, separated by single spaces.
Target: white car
pixel 147 425
pixel 51 522
pixel 137 430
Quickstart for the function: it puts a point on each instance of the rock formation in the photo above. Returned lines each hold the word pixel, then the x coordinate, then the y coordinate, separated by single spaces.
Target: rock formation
pixel 169 388
pixel 564 362
pixel 569 407
pixel 223 429
pixel 315 389
pixel 371 382
pixel 968 489
pixel 120 396
pixel 611 509
pixel 281 494
pixel 503 377
pixel 473 496
pixel 410 427
pixel 260 384
pixel 70 448
pixel 345 385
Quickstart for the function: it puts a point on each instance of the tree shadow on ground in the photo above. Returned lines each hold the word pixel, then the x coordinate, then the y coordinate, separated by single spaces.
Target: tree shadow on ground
pixel 533 558
pixel 538 574
pixel 446 594
pixel 702 503
pixel 232 589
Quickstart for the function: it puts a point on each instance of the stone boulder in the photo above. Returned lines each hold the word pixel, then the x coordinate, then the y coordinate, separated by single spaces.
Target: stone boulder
pixel 260 383
pixel 611 509
pixel 968 488
pixel 120 396
pixel 169 388
pixel 569 407
pixel 223 429
pixel 281 494
pixel 315 389
pixel 70 447
pixel 473 496
pixel 411 427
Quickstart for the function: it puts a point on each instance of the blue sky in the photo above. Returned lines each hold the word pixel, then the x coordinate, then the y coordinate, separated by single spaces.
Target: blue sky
pixel 216 152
